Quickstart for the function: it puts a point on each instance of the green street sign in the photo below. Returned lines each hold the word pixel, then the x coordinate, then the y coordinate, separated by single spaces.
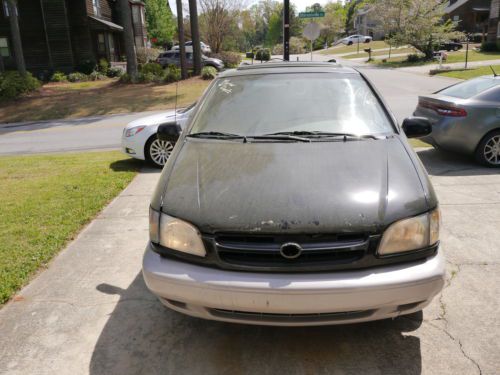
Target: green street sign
pixel 311 14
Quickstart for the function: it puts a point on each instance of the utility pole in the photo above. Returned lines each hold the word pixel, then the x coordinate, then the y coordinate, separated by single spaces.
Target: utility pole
pixel 182 45
pixel 195 37
pixel 286 30
pixel 467 51
pixel 128 37
pixel 16 36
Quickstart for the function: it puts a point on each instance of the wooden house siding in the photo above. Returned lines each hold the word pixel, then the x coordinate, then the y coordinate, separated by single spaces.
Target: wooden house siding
pixel 106 9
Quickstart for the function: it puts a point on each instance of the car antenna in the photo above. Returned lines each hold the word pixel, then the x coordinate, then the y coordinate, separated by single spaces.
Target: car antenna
pixel 493 70
pixel 175 105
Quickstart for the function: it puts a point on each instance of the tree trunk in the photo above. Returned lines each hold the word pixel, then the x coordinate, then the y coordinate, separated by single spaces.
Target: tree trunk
pixel 2 65
pixel 182 46
pixel 128 38
pixel 195 37
pixel 16 37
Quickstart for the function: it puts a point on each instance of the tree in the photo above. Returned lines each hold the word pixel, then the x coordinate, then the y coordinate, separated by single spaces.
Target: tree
pixel 182 46
pixel 195 37
pixel 160 21
pixel 128 39
pixel 418 23
pixel 16 36
pixel 217 19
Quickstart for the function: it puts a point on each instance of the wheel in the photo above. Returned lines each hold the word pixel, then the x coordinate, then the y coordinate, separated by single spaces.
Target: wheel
pixel 488 150
pixel 367 40
pixel 455 48
pixel 349 43
pixel 157 152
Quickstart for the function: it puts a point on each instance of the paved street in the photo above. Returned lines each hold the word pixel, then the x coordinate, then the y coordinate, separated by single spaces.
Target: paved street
pixel 90 311
pixel 400 89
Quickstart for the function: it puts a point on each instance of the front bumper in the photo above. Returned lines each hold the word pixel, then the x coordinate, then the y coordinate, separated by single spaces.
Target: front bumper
pixel 133 146
pixel 294 299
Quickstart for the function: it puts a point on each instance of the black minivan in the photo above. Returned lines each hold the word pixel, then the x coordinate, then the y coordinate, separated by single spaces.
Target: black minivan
pixel 292 197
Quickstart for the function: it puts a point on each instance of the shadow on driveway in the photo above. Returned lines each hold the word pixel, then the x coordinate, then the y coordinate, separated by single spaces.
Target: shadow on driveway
pixel 142 337
pixel 442 163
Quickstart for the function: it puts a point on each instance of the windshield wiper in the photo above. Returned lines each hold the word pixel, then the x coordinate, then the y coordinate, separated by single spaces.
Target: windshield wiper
pixel 280 137
pixel 322 134
pixel 216 135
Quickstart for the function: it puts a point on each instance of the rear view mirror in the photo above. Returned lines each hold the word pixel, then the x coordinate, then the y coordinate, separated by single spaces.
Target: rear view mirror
pixel 415 127
pixel 169 131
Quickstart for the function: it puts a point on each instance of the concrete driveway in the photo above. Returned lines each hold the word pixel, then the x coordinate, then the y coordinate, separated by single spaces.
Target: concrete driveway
pixel 90 311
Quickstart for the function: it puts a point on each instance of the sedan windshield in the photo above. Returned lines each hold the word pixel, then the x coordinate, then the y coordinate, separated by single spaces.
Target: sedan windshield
pixel 468 89
pixel 257 105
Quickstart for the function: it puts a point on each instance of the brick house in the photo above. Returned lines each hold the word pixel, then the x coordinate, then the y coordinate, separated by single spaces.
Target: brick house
pixel 63 34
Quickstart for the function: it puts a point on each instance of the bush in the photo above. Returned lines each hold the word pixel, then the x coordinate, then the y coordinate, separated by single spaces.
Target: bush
pixel 96 76
pixel 413 58
pixel 146 78
pixel 86 66
pixel 263 54
pixel 145 55
pixel 489 47
pixel 78 77
pixel 103 66
pixel 208 72
pixel 153 68
pixel 114 71
pixel 172 74
pixel 58 77
pixel 125 78
pixel 230 59
pixel 13 84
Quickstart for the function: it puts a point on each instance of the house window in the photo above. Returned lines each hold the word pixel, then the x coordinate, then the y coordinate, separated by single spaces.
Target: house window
pixel 97 7
pixel 101 44
pixel 6 8
pixel 4 47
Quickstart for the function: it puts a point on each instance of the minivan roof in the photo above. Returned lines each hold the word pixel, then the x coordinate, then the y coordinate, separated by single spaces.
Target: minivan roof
pixel 288 67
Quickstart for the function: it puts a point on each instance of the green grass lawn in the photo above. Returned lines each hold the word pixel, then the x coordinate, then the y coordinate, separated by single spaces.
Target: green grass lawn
pixel 341 48
pixel 46 200
pixel 472 73
pixel 380 53
pixel 414 142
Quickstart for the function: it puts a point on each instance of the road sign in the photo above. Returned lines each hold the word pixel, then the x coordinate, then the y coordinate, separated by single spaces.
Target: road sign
pixel 311 31
pixel 311 14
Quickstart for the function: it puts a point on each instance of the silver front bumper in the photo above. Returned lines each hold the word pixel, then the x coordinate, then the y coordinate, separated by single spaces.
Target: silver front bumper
pixel 294 299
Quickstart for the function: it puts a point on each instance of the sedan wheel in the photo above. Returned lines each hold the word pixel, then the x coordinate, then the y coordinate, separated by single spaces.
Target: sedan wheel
pixel 159 151
pixel 488 152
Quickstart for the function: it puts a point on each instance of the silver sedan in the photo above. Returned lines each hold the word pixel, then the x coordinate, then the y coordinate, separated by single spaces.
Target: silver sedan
pixel 465 118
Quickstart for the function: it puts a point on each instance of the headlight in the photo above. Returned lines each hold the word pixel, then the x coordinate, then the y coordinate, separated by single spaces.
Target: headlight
pixel 411 234
pixel 133 131
pixel 175 234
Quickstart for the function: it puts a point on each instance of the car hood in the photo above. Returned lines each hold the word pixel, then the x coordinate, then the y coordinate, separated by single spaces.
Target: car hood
pixel 155 119
pixel 353 186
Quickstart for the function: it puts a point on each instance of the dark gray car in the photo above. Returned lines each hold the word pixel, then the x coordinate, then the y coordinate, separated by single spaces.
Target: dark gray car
pixel 292 197
pixel 465 118
pixel 173 58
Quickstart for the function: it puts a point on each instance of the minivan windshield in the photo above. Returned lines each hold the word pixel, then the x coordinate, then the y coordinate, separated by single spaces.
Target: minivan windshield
pixel 468 89
pixel 254 105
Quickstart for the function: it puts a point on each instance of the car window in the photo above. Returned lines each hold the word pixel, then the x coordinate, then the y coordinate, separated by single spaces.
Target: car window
pixel 263 104
pixel 176 55
pixel 189 55
pixel 468 89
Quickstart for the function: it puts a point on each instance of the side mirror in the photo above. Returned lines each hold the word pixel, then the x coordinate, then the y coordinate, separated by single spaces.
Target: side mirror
pixel 415 127
pixel 332 61
pixel 169 131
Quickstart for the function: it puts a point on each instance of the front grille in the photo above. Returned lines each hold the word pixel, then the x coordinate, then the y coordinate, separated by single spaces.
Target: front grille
pixel 290 318
pixel 262 252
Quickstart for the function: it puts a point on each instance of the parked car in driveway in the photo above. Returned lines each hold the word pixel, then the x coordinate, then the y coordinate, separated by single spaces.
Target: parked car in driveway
pixel 205 48
pixel 140 141
pixel 356 39
pixel 316 213
pixel 465 118
pixel 174 58
pixel 450 46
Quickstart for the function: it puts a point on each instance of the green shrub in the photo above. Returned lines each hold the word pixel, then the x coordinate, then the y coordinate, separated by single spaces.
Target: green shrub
pixel 145 55
pixel 125 78
pixel 296 47
pixel 208 72
pixel 86 66
pixel 153 68
pixel 263 54
pixel 230 59
pixel 103 66
pixel 489 47
pixel 13 84
pixel 77 77
pixel 114 71
pixel 413 58
pixel 173 74
pixel 58 77
pixel 96 76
